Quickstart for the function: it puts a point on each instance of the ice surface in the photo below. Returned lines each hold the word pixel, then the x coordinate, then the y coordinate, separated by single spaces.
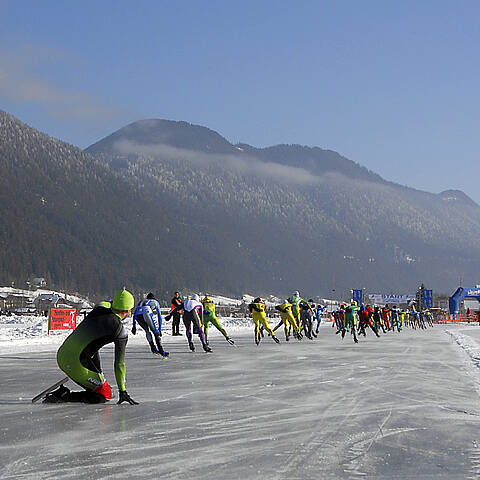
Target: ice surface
pixel 399 407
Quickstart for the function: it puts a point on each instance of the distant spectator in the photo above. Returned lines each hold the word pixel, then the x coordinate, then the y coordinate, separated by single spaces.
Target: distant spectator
pixel 176 302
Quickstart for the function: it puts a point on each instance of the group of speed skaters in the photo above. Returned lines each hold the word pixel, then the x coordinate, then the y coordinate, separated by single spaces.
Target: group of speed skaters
pixel 356 320
pixel 299 319
pixel 78 357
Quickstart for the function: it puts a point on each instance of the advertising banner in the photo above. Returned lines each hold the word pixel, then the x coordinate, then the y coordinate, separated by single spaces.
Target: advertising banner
pixel 428 298
pixel 357 296
pixel 62 319
pixel 381 299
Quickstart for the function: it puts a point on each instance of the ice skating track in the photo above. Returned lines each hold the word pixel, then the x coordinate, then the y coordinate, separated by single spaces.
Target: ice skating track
pixel 399 407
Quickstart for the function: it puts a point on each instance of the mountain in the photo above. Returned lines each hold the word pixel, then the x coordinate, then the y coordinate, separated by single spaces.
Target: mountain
pixel 162 205
pixel 457 197
pixel 315 160
pixel 71 219
pixel 166 132
pixel 182 135
pixel 304 217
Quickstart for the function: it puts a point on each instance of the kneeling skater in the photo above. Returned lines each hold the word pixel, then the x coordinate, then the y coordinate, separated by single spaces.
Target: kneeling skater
pixel 78 356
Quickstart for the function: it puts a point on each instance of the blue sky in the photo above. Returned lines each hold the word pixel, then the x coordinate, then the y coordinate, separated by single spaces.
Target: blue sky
pixel 391 85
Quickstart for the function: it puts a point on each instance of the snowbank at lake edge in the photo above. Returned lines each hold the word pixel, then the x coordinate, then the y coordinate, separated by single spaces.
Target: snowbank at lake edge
pixel 19 333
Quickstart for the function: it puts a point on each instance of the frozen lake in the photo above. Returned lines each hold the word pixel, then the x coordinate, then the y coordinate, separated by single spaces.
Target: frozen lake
pixel 404 406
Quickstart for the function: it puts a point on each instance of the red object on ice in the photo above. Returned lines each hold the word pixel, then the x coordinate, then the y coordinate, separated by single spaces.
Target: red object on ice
pixel 105 390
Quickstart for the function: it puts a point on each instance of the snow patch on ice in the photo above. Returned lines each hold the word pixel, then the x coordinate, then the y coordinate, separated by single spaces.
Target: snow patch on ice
pixel 19 333
pixel 471 349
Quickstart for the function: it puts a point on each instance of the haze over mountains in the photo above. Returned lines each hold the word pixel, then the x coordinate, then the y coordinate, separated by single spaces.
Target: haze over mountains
pixel 162 205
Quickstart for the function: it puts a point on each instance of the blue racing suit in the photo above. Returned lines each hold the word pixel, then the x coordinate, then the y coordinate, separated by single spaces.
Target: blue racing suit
pixel 318 315
pixel 148 315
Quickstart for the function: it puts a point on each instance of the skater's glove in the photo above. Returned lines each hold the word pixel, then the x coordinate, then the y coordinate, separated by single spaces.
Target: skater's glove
pixel 125 397
pixel 168 317
pixel 134 330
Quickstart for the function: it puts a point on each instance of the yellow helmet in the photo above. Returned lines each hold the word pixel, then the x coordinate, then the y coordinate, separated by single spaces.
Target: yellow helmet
pixel 206 298
pixel 354 302
pixel 123 301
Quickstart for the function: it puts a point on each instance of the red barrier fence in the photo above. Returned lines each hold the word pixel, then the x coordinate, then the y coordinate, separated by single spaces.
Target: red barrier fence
pixel 458 318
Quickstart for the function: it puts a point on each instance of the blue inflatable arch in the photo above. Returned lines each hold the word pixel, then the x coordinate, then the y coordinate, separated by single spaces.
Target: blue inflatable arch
pixel 459 295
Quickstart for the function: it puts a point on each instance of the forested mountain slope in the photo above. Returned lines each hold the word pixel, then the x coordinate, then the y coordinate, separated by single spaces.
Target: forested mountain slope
pixel 300 217
pixel 168 205
pixel 79 224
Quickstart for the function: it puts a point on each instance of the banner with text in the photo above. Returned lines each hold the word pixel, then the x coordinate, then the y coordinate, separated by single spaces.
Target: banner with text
pixel 62 319
pixel 390 299
pixel 357 296
pixel 428 298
